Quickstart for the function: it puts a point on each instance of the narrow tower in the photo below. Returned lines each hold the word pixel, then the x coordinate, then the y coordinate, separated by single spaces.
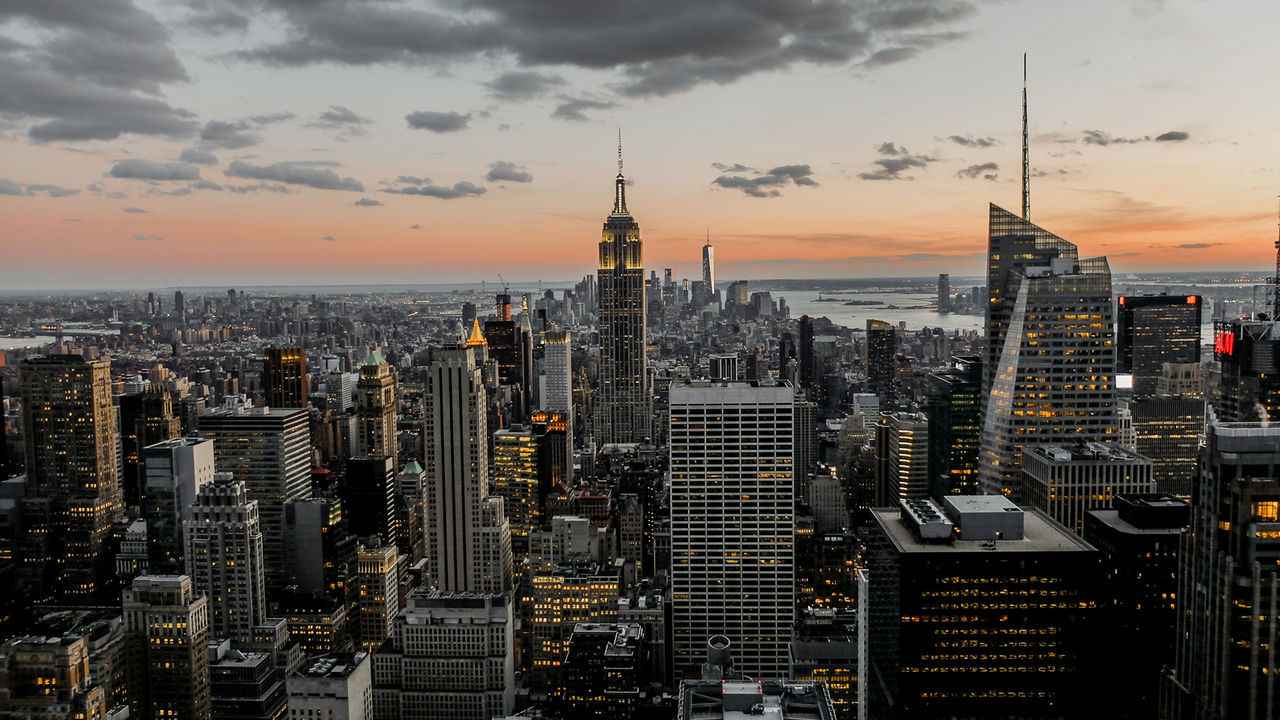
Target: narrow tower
pixel 1026 149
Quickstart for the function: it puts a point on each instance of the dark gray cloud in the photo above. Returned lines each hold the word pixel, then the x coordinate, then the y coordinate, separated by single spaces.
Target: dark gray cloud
pixel 522 85
pixel 734 168
pixel 346 121
pixel 329 238
pixel 294 174
pixel 765 185
pixel 134 210
pixel 971 141
pixel 574 109
pixel 415 227
pixel 656 46
pixel 148 238
pixel 986 171
pixel 9 187
pixel 368 202
pixel 205 185
pixel 197 156
pixel 140 169
pixel 1098 137
pixel 52 190
pixel 1173 136
pixel 1194 246
pixel 210 18
pixel 236 134
pixel 95 72
pixel 509 172
pixel 438 122
pixel 423 187
pixel 895 162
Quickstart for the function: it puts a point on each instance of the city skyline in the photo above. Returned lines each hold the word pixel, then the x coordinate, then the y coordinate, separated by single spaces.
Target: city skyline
pixel 386 145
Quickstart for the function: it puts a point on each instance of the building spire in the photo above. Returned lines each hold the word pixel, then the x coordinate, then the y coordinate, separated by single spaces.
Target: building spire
pixel 619 190
pixel 1026 152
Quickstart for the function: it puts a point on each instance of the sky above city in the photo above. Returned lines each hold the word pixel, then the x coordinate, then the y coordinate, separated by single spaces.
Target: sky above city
pixel 252 142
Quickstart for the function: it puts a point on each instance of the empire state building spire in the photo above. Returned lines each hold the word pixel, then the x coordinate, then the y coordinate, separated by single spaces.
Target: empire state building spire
pixel 620 185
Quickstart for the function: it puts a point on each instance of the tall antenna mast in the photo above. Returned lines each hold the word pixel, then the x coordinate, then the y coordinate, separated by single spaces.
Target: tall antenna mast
pixel 1026 154
pixel 1275 282
pixel 619 149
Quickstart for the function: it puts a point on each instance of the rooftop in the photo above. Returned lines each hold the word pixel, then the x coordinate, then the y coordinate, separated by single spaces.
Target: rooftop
pixel 1040 533
pixel 735 700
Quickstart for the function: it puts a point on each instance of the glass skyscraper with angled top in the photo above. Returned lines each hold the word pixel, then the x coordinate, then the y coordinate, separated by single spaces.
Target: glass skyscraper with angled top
pixel 1051 349
pixel 623 412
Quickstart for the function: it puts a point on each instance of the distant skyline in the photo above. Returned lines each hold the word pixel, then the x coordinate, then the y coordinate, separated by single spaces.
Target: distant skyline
pixel 271 142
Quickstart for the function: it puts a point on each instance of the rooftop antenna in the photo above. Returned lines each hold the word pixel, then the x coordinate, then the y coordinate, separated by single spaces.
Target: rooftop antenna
pixel 1026 155
pixel 619 149
pixel 1275 281
pixel 708 234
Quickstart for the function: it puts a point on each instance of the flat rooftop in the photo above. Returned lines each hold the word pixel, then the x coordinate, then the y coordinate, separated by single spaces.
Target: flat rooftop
pixel 1040 533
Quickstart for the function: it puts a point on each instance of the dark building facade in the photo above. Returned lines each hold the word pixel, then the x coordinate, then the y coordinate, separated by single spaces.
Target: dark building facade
pixel 285 382
pixel 369 497
pixel 1156 329
pixel 1250 356
pixel 955 427
pixel 882 347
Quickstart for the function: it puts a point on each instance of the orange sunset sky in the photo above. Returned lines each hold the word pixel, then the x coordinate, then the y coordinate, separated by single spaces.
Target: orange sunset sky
pixel 243 142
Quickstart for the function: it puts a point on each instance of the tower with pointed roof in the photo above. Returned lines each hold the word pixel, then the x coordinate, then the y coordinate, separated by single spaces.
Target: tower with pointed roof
pixel 623 412
pixel 376 410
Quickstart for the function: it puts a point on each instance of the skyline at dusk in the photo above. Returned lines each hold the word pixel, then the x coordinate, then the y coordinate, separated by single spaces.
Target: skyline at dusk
pixel 251 142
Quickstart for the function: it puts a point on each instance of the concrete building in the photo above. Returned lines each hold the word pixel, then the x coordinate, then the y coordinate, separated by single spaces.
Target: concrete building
pixel 333 687
pixel 515 480
pixel 173 472
pixel 555 390
pixel 902 457
pixel 167 627
pixel 723 700
pixel 450 655
pixel 603 673
pixel 1066 481
pixel 732 508
pixel 376 410
pixel 245 685
pixel 224 558
pixel 285 382
pixel 377 593
pixel 48 678
pixel 576 593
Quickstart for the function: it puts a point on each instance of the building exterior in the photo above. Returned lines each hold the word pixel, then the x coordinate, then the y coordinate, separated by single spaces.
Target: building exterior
pixel 369 497
pixel 146 418
pixel 1227 627
pixel 715 699
pixel 224 558
pixel 573 593
pixel 997 623
pixel 174 471
pixel 622 408
pixel 73 492
pixel 320 551
pixel 377 593
pixel 245 685
pixel 954 410
pixel 449 655
pixel 1066 481
pixel 269 450
pixel 1249 353
pixel 167 625
pixel 411 499
pixel 1050 347
pixel 1139 542
pixel 825 650
pixel 1155 329
pixel 944 293
pixel 902 457
pixel 468 536
pixel 604 672
pixel 333 687
pixel 709 268
pixel 285 383
pixel 732 524
pixel 882 364
pixel 376 410
pixel 556 391
pixel 515 464
pixel 48 678
pixel 338 392
pixel 1167 429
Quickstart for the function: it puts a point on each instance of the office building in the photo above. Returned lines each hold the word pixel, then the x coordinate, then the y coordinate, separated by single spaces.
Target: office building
pixel 166 624
pixel 554 435
pixel 224 558
pixel 245 685
pixel 146 418
pixel 1227 626
pixel 1249 353
pixel 575 592
pixel 715 699
pixel 1167 428
pixel 43 678
pixel 468 536
pixel 809 375
pixel 319 549
pixel 556 391
pixel 1138 541
pixel 377 593
pixel 333 687
pixel 285 383
pixel 338 392
pixel 369 497
pixel 376 410
pixel 269 450
pixel 825 650
pixel 977 608
pixel 1066 481
pixel 902 458
pixel 954 409
pixel 515 466
pixel 174 471
pixel 1155 329
pixel 73 492
pixel 732 504
pixel 944 293
pixel 882 363
pixel 1052 379
pixel 622 407
pixel 411 504
pixel 604 672
pixel 466 639
pixel 709 268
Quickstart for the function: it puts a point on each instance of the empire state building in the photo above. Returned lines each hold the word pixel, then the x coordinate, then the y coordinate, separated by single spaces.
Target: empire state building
pixel 623 413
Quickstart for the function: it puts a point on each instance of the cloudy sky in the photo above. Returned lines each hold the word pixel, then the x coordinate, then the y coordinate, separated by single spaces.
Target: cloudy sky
pixel 240 142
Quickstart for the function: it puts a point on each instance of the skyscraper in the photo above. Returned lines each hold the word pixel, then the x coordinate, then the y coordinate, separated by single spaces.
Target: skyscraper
pixel 1153 330
pixel 174 471
pixel 955 424
pixel 369 497
pixel 269 450
pixel 622 413
pixel 556 392
pixel 709 268
pixel 944 293
pixel 468 537
pixel 808 371
pixel 902 458
pixel 515 462
pixel 376 410
pixel 1050 340
pixel 882 364
pixel 73 494
pixel 146 418
pixel 732 523
pixel 1228 579
pixel 285 382
pixel 167 625
pixel 224 558
pixel 377 593
pixel 1250 355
